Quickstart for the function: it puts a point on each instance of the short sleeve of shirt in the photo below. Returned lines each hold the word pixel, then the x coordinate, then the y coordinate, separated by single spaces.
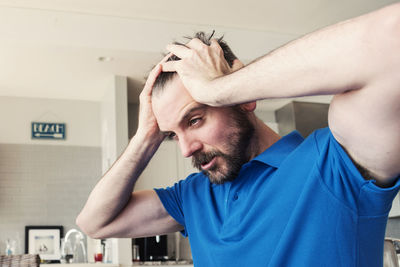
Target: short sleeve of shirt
pixel 171 197
pixel 345 182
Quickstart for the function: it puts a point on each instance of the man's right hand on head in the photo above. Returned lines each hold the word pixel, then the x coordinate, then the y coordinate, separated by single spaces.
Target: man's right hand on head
pixel 124 213
pixel 147 126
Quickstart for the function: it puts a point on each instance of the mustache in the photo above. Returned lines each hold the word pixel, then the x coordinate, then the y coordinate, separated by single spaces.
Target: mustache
pixel 204 157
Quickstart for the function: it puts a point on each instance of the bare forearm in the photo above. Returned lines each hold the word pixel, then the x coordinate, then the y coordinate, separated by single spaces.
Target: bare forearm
pixel 342 57
pixel 113 191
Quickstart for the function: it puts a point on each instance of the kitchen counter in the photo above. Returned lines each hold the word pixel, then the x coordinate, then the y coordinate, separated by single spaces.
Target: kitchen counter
pixel 147 263
pixel 80 265
pixel 164 263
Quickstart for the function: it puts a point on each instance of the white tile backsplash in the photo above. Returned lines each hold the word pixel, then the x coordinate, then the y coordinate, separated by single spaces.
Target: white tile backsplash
pixel 43 185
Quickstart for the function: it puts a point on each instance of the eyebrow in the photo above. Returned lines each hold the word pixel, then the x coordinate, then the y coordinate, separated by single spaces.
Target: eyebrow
pixel 187 115
pixel 190 111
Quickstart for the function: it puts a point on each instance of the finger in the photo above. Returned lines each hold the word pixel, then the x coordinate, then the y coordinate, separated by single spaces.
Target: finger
pixel 151 79
pixel 237 64
pixel 195 44
pixel 156 71
pixel 214 44
pixel 167 56
pixel 179 50
pixel 169 66
pixel 162 61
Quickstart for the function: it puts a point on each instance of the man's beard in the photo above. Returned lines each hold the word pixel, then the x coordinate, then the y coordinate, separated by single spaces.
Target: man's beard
pixel 237 148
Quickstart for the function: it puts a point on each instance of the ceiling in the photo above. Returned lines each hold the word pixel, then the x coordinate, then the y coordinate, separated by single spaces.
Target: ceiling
pixel 51 48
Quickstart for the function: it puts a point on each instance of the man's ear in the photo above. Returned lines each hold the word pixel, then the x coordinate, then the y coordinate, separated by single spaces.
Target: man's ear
pixel 249 106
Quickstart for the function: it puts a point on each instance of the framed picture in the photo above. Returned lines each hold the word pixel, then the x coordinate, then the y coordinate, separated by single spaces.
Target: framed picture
pixel 43 240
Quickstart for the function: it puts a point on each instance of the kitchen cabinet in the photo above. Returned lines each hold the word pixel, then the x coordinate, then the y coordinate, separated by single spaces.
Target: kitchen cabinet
pixel 162 169
pixel 165 168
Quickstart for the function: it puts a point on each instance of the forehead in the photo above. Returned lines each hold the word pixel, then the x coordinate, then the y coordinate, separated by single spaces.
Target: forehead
pixel 171 104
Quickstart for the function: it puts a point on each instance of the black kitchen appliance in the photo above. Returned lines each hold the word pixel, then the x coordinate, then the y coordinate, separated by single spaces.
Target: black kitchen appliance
pixel 152 248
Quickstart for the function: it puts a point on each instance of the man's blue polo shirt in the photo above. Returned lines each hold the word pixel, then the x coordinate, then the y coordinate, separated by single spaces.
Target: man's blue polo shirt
pixel 299 203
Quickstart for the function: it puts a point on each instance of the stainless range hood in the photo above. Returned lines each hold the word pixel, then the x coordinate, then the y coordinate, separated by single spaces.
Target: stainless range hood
pixel 304 117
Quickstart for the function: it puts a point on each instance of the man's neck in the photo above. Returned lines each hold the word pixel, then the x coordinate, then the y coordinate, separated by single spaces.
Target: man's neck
pixel 263 138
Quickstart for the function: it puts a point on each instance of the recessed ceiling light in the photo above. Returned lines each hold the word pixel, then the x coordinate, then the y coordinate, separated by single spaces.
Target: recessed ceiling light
pixel 105 59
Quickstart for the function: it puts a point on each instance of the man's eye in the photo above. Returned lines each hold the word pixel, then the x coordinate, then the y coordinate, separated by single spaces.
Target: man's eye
pixel 194 121
pixel 171 136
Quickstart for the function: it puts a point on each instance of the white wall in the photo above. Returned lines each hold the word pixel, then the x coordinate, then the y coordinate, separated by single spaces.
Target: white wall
pixel 114 128
pixel 114 120
pixel 45 182
pixel 43 185
pixel 82 120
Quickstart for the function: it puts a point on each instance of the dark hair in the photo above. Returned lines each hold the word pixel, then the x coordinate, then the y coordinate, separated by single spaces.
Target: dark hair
pixel 165 77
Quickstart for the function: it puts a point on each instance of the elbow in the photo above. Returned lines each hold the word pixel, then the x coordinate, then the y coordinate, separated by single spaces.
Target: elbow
pixel 80 222
pixel 88 227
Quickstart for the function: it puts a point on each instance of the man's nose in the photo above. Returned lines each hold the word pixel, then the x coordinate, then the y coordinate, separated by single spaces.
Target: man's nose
pixel 189 146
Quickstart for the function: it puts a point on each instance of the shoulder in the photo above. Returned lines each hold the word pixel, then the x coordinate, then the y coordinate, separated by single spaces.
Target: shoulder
pixel 191 182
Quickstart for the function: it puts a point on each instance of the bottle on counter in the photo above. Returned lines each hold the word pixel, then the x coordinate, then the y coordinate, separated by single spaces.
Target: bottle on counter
pixel 98 253
pixel 107 251
pixel 10 247
pixel 135 253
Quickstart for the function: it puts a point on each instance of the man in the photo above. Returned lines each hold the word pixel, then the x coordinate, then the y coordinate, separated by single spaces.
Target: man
pixel 322 201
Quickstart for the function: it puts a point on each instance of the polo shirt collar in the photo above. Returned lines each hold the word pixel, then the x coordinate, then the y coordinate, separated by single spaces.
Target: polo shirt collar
pixel 276 153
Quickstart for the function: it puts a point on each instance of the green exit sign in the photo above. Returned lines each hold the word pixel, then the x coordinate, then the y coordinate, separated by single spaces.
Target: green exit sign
pixel 48 130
